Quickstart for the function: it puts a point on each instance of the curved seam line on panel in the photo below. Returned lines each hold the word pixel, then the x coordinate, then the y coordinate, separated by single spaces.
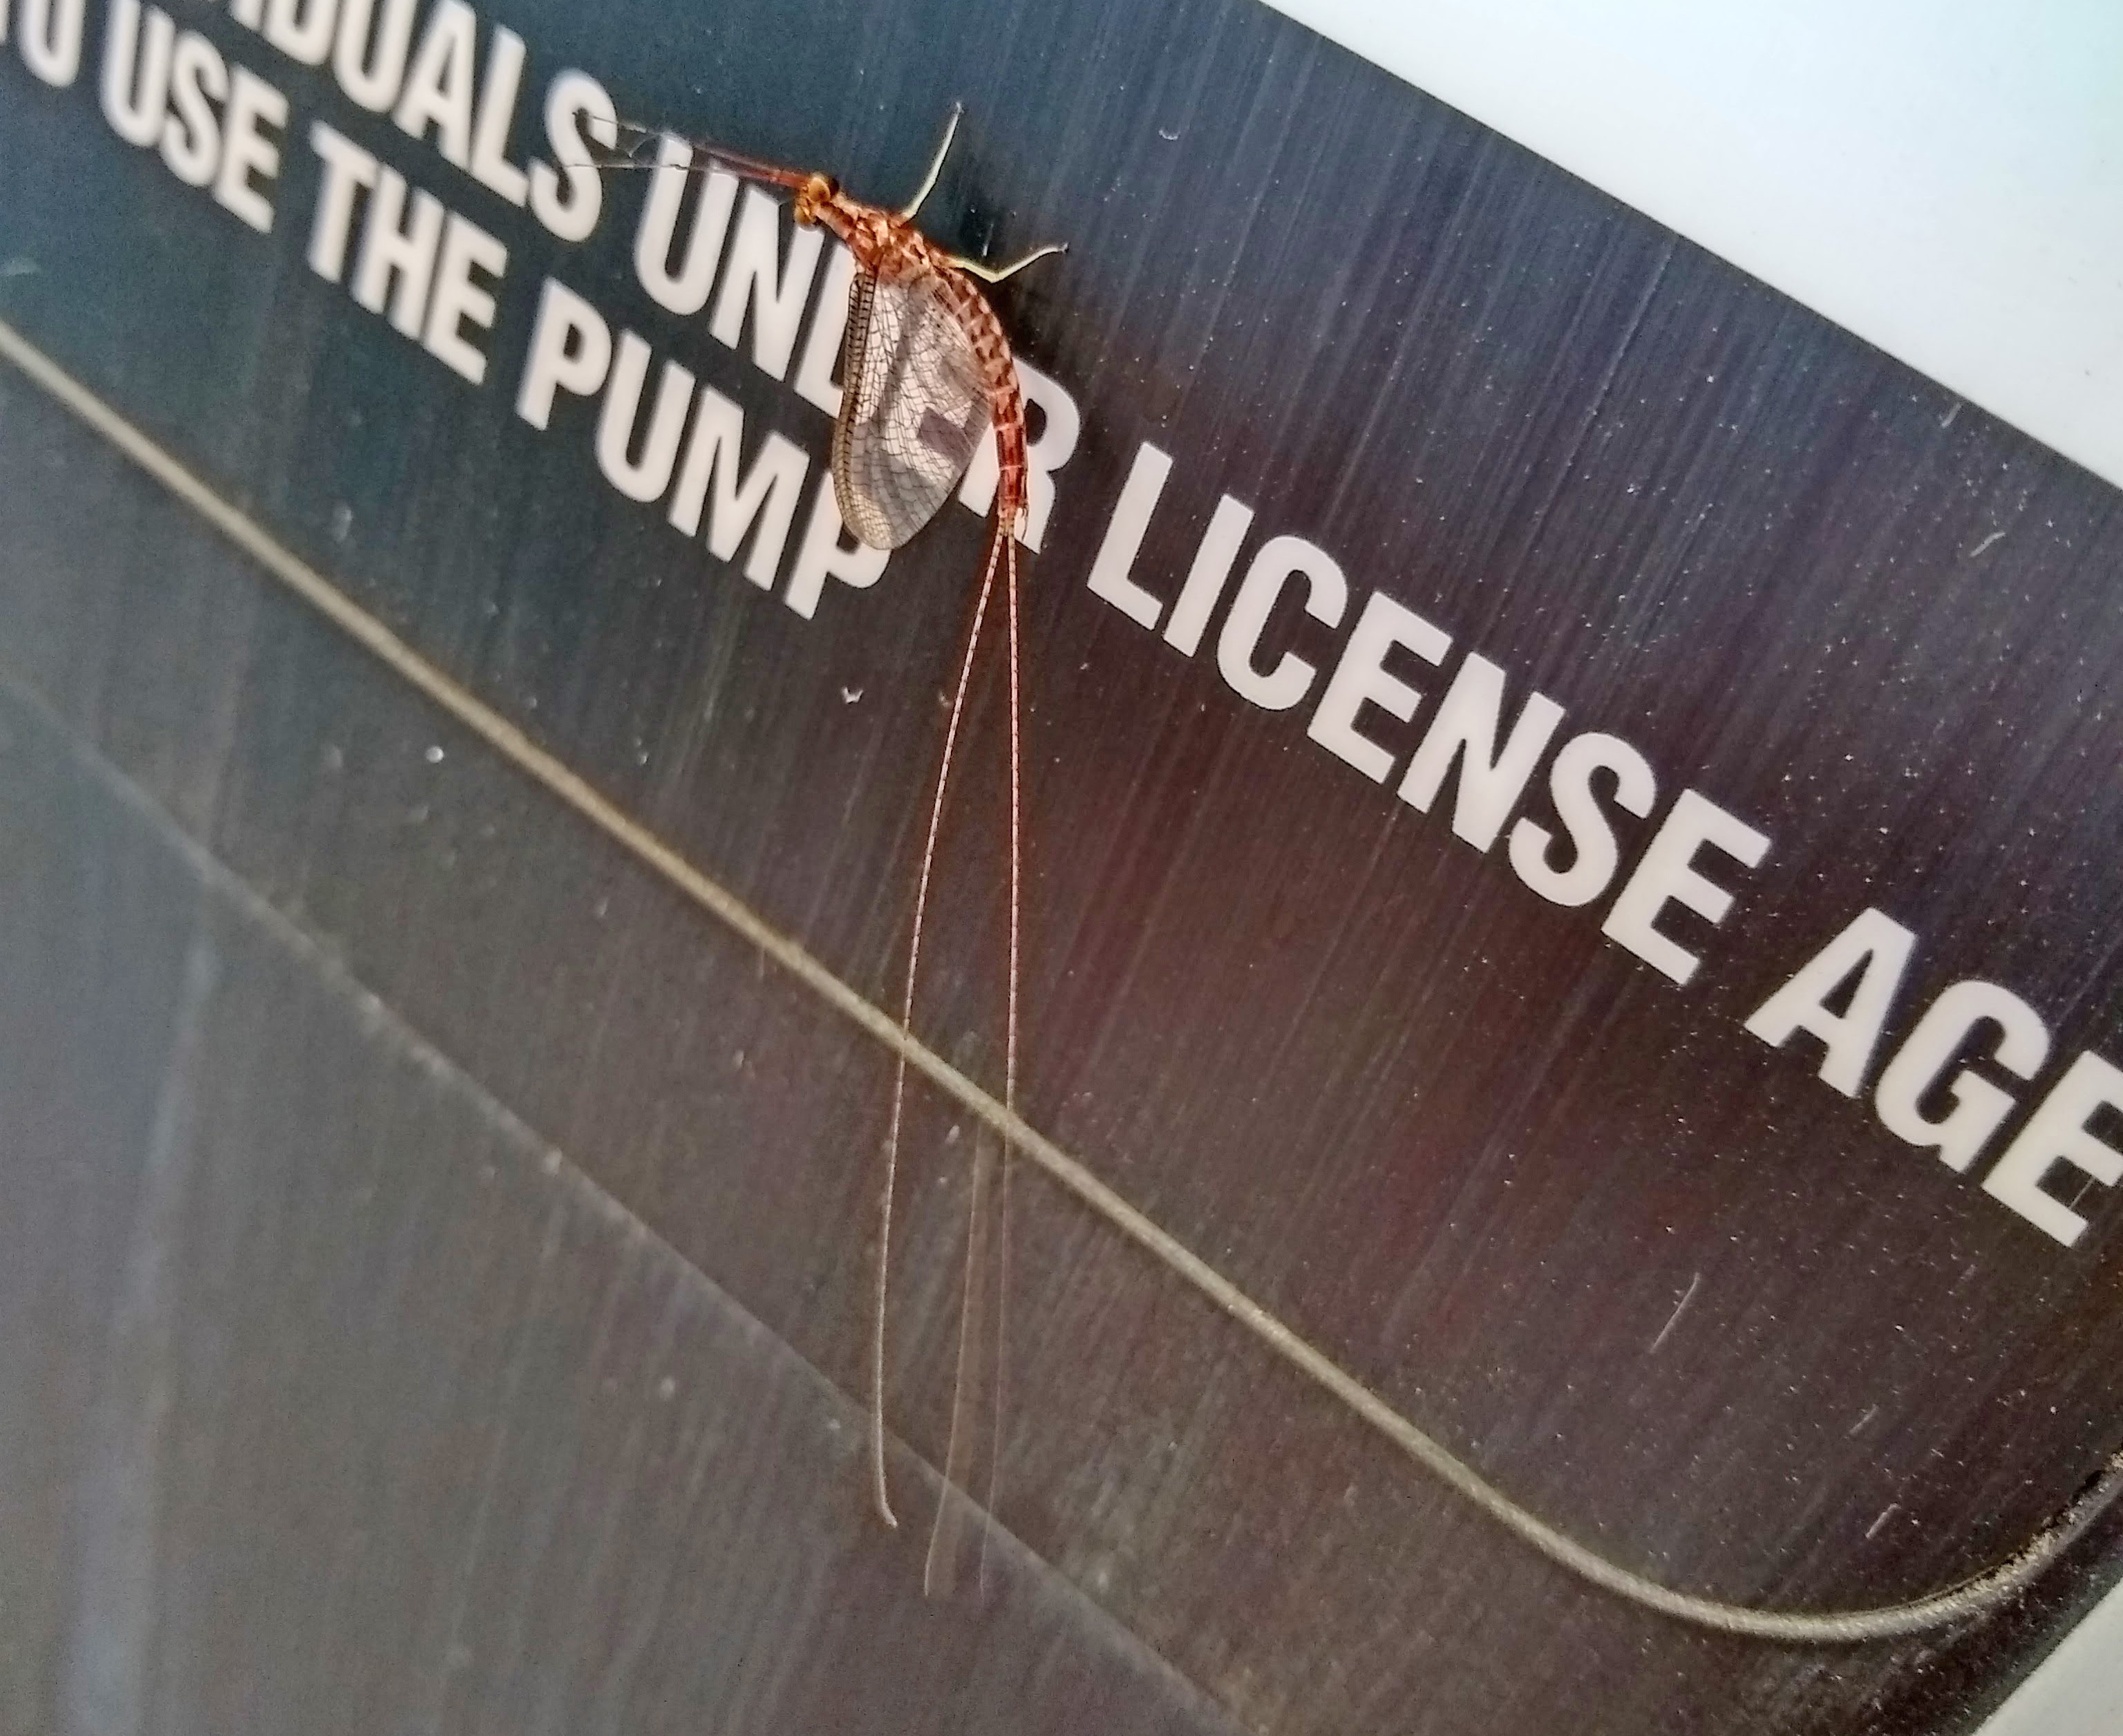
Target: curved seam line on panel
pixel 375 1013
pixel 1972 1596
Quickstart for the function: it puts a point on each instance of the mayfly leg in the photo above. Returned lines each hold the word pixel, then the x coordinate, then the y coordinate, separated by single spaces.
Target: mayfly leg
pixel 971 267
pixel 939 1575
pixel 1007 534
pixel 981 1222
pixel 878 1487
pixel 998 274
pixel 935 165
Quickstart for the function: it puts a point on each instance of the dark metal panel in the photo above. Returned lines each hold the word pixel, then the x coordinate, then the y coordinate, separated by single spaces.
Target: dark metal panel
pixel 1152 1449
pixel 1443 1130
pixel 395 1420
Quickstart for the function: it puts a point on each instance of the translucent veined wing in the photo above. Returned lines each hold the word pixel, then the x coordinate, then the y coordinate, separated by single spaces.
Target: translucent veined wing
pixel 913 408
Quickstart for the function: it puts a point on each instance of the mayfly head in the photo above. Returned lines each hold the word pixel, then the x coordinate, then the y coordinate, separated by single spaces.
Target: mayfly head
pixel 818 191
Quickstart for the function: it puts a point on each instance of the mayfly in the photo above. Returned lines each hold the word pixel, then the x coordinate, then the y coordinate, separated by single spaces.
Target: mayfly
pixel 926 373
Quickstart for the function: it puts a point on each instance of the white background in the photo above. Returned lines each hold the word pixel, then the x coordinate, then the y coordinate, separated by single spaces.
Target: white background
pixel 1944 177
pixel 2077 1691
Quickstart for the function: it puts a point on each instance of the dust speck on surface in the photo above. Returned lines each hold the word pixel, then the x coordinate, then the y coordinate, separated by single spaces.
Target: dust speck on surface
pixel 1886 1513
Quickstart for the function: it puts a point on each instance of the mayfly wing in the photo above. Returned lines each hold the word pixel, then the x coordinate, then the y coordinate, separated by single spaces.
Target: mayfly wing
pixel 914 407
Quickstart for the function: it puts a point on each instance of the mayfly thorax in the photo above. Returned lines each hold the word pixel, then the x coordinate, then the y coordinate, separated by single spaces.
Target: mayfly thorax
pixel 926 372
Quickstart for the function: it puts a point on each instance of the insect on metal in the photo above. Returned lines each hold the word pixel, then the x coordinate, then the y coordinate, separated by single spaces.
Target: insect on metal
pixel 926 372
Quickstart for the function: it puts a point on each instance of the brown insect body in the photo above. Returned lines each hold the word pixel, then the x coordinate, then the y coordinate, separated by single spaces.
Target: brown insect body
pixel 926 372
pixel 921 334
pixel 888 249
